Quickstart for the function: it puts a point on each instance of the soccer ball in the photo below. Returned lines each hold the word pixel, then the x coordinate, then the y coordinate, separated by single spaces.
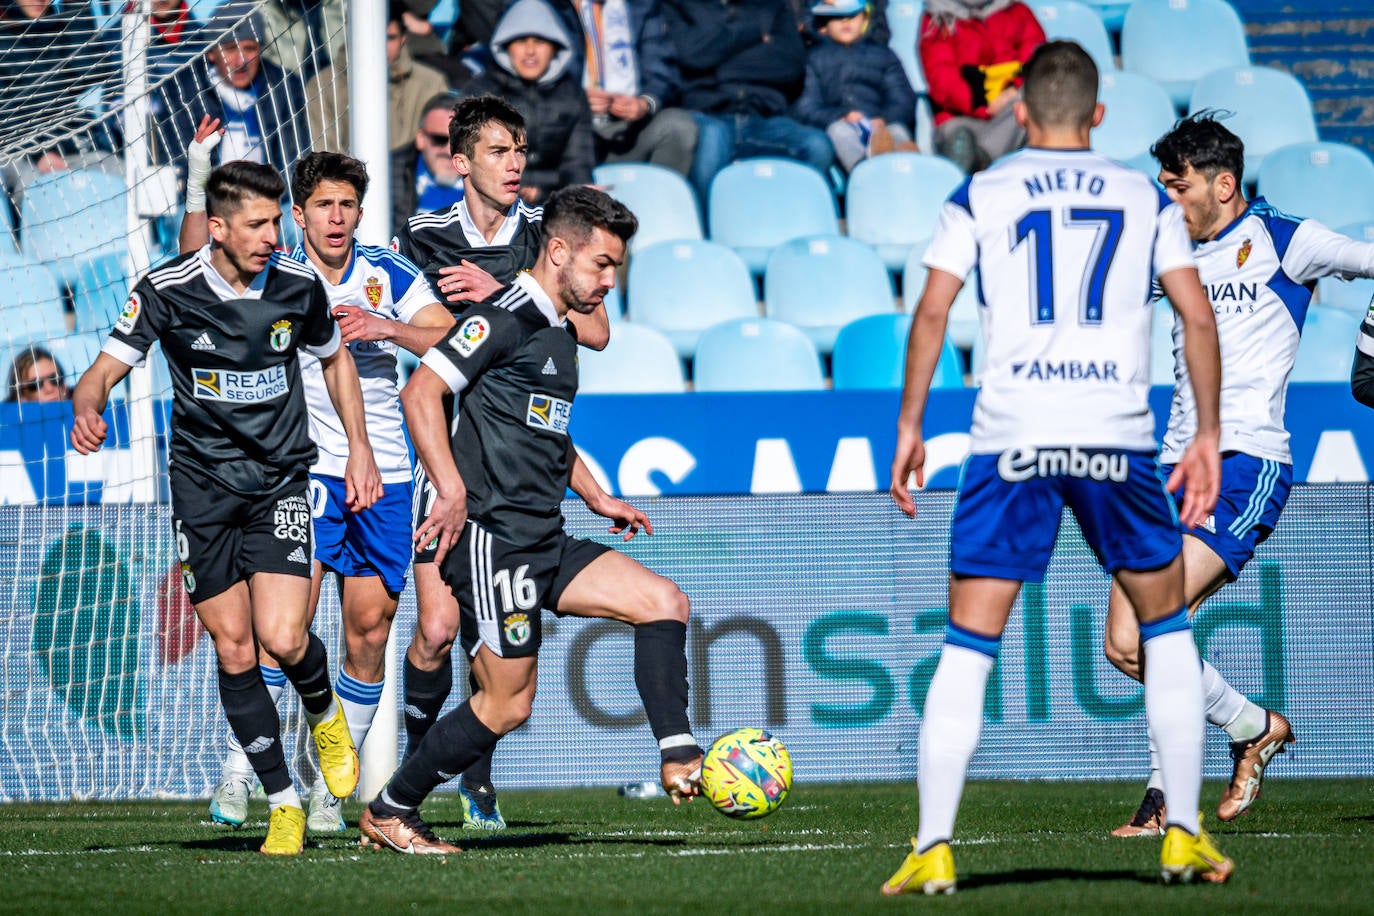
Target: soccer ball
pixel 747 773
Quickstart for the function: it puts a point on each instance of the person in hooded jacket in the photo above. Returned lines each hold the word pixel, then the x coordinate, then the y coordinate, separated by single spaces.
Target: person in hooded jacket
pixel 533 70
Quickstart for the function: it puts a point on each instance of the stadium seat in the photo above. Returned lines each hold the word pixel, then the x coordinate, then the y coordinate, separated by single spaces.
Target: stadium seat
pixel 100 291
pixel 757 204
pixel 904 28
pixel 1271 109
pixel 33 309
pixel 75 352
pixel 894 201
pixel 1327 348
pixel 1138 112
pixel 870 352
pixel 1175 42
pixel 661 199
pixel 1332 183
pixel 1111 12
pixel 1162 344
pixel 682 288
pixel 638 360
pixel 1349 295
pixel 73 214
pixel 1075 21
pixel 964 322
pixel 821 283
pixel 756 354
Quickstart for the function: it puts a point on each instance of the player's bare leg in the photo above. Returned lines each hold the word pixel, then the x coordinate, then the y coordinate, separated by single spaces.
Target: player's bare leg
pixel 616 587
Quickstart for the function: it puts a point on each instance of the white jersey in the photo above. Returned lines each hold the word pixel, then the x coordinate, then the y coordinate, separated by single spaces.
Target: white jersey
pixel 1066 243
pixel 1259 274
pixel 385 282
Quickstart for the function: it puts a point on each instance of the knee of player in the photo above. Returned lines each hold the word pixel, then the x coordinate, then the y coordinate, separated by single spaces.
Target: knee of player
pixel 236 655
pixel 1124 658
pixel 285 644
pixel 434 638
pixel 670 602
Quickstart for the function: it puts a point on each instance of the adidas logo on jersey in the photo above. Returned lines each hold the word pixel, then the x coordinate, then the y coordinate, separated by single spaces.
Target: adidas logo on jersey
pixel 550 368
pixel 298 556
pixel 203 342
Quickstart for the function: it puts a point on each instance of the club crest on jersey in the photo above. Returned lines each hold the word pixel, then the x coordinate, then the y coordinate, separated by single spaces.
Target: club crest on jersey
pixel 129 316
pixel 1243 254
pixel 373 290
pixel 280 338
pixel 517 628
pixel 471 335
pixel 547 412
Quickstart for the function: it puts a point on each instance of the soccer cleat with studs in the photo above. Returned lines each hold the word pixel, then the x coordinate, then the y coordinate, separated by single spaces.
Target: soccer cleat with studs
pixel 1186 858
pixel 285 832
pixel 405 833
pixel 1251 757
pixel 930 872
pixel 338 756
pixel 326 811
pixel 480 809
pixel 229 803
pixel 1148 819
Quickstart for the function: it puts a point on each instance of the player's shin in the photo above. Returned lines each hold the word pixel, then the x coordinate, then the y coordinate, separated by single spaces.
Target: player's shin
pixel 425 694
pixel 359 700
pixel 1173 705
pixel 236 765
pixel 310 677
pixel 661 678
pixel 253 717
pixel 454 743
pixel 950 727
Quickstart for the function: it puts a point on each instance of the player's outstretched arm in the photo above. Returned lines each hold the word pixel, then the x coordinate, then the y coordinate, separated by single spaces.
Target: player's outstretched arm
pixel 422 399
pixel 362 480
pixel 425 329
pixel 1199 470
pixel 625 516
pixel 195 226
pixel 89 399
pixel 923 346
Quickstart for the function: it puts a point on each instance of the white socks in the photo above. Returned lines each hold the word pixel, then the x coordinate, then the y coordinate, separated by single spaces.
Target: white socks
pixel 1228 708
pixel 1173 705
pixel 950 725
pixel 359 700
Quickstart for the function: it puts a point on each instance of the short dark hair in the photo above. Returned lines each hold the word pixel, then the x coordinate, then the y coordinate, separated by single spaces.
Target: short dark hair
pixel 1201 141
pixel 234 182
pixel 1060 85
pixel 314 168
pixel 473 113
pixel 573 213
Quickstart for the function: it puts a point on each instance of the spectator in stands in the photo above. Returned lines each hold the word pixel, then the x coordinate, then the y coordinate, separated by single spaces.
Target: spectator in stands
pixel 971 52
pixel 176 37
pixel 533 52
pixel 856 90
pixel 630 73
pixel 52 63
pixel 36 376
pixel 261 109
pixel 743 64
pixel 423 176
pixel 409 86
pixel 299 33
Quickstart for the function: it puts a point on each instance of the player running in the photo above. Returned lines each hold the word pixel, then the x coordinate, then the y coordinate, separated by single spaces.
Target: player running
pixel 1065 242
pixel 1258 267
pixel 380 302
pixel 231 318
pixel 497 522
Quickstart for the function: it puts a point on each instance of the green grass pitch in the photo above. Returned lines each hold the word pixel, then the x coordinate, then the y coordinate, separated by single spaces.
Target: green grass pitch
pixel 1022 847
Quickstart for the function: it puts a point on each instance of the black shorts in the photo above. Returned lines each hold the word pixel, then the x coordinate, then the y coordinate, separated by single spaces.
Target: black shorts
pixel 502 589
pixel 421 503
pixel 224 537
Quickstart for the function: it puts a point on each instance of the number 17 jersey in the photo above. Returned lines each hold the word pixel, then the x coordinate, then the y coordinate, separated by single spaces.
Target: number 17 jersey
pixel 1066 244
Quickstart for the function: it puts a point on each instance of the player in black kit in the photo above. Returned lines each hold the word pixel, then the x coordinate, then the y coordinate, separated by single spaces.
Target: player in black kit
pixel 230 318
pixel 499 525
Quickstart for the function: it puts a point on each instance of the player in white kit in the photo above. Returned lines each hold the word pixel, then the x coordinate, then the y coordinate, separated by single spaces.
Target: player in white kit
pixel 1066 244
pixel 1258 267
pixel 381 302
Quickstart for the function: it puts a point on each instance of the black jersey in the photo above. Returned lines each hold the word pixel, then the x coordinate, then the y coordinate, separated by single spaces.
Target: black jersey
pixel 1362 372
pixel 514 366
pixel 238 407
pixel 443 239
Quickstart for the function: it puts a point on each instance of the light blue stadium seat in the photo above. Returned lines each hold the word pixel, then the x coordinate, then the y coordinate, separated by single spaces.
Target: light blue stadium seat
pixel 756 354
pixel 682 288
pixel 660 198
pixel 904 31
pixel 1332 183
pixel 75 352
pixel 32 306
pixel 1162 344
pixel 870 352
pixel 100 291
pixel 615 304
pixel 1175 42
pixel 821 283
pixel 1349 295
pixel 1138 112
pixel 638 360
pixel 1271 109
pixel 1111 12
pixel 893 201
pixel 964 322
pixel 9 240
pixel 757 204
pixel 1078 22
pixel 72 214
pixel 1327 348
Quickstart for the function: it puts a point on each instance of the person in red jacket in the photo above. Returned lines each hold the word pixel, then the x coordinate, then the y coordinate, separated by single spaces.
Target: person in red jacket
pixel 972 52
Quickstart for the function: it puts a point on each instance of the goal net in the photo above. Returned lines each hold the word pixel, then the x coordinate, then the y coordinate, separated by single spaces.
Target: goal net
pixel 107 681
